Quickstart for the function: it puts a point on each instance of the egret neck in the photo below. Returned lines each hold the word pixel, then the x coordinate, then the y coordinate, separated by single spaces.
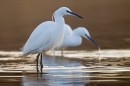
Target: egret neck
pixel 59 21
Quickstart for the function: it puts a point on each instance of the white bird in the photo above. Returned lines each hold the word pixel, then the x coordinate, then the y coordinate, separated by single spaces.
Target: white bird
pixel 73 38
pixel 48 35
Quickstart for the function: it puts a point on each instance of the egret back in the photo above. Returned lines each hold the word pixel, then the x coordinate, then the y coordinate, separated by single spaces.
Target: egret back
pixel 71 37
pixel 68 30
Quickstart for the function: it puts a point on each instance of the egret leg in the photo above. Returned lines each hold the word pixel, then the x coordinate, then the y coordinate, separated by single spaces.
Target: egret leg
pixel 54 59
pixel 62 51
pixel 54 52
pixel 41 65
pixel 37 63
pixel 63 59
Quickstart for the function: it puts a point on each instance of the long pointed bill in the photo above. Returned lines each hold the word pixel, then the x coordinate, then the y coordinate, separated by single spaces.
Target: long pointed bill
pixel 75 14
pixel 93 41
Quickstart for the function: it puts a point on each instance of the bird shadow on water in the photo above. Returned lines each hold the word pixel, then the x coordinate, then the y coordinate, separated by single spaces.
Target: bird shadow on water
pixel 59 72
pixel 59 61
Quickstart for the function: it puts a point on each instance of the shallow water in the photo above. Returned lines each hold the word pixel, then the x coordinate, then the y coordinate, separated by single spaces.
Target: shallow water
pixel 76 68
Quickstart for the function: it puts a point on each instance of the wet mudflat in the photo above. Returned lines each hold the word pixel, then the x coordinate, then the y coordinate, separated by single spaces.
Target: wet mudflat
pixel 76 68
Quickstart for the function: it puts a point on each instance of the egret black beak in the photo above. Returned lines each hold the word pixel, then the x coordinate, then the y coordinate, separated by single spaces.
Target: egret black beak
pixel 92 41
pixel 75 14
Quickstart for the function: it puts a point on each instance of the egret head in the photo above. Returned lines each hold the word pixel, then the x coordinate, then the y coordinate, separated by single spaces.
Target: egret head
pixel 65 11
pixel 84 33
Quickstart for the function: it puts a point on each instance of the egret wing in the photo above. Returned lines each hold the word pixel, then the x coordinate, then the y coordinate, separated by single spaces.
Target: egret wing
pixel 40 29
pixel 39 37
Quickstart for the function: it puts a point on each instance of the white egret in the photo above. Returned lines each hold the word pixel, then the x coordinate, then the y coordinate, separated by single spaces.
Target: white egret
pixel 48 35
pixel 73 38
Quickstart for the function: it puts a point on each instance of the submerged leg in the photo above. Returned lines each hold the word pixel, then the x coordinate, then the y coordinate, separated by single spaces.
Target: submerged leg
pixel 54 52
pixel 63 59
pixel 62 52
pixel 37 63
pixel 54 59
pixel 41 65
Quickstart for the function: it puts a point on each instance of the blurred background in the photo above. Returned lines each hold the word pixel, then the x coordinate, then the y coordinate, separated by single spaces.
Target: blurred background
pixel 108 21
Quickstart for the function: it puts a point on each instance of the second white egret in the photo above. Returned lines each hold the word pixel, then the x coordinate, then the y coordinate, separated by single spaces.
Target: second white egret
pixel 73 38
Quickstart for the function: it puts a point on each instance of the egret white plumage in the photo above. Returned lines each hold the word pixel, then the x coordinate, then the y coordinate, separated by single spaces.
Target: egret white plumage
pixel 47 35
pixel 73 38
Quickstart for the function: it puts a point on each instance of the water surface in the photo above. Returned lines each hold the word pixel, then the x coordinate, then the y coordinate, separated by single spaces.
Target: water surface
pixel 76 68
